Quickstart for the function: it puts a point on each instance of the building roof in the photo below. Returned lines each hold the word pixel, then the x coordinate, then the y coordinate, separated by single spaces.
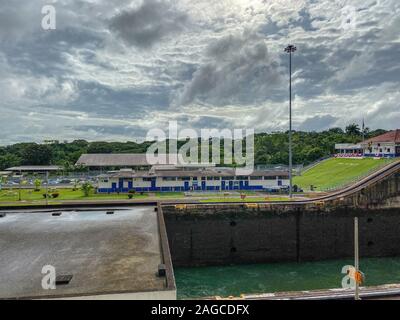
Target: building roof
pixel 214 172
pixel 126 160
pixel 349 146
pixel 35 168
pixel 391 136
pixel 106 254
pixel 112 160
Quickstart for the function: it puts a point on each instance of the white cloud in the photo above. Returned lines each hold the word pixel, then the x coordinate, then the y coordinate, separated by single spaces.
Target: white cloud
pixel 225 64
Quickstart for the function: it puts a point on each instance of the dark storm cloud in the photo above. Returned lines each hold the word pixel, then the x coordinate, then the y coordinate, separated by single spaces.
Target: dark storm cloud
pixel 305 21
pixel 313 75
pixel 210 122
pixel 368 68
pixel 317 123
pixel 149 23
pixel 18 18
pixel 130 132
pixel 45 53
pixel 132 102
pixel 238 69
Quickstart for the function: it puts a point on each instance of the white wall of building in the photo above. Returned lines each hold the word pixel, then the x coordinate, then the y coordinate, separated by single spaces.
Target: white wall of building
pixel 178 182
pixel 379 149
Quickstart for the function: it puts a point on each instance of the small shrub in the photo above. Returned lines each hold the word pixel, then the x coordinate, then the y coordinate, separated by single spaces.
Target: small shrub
pixel 86 188
pixel 130 195
pixel 37 183
pixel 55 195
pixel 132 191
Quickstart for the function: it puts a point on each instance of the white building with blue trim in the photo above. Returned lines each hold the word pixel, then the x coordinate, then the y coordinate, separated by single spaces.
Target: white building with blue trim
pixel 175 179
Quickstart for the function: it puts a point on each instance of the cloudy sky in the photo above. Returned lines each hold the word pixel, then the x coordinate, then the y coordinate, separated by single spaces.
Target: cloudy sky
pixel 113 69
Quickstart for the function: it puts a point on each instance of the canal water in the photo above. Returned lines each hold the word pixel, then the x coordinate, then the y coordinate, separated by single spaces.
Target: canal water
pixel 235 280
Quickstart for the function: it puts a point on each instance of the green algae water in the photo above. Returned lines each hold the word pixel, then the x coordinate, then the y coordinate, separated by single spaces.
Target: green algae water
pixel 261 278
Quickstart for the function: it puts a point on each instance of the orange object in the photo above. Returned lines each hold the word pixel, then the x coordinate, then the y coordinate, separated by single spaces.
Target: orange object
pixel 359 277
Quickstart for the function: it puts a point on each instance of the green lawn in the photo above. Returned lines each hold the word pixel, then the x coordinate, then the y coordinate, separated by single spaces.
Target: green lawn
pixel 7 195
pixel 335 172
pixel 29 196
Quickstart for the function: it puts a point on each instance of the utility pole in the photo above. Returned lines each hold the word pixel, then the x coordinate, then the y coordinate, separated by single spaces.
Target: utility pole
pixel 356 259
pixel 363 131
pixel 47 187
pixel 290 49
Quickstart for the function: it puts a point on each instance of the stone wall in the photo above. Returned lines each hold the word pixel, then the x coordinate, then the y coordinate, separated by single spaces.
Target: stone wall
pixel 263 233
pixel 207 235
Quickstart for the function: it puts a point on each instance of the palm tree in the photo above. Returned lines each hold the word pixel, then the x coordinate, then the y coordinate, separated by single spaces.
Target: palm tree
pixel 353 130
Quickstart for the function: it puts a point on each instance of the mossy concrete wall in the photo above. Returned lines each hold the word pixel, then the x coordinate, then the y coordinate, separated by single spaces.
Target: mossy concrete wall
pixel 234 234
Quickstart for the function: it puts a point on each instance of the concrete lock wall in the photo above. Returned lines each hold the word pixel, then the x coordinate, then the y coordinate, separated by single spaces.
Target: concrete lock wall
pixel 382 194
pixel 263 233
pixel 206 236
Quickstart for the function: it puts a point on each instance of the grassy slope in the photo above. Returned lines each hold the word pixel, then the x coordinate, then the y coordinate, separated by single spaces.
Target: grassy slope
pixel 8 196
pixel 336 172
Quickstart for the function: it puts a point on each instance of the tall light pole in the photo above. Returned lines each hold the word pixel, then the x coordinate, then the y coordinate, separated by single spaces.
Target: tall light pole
pixel 290 49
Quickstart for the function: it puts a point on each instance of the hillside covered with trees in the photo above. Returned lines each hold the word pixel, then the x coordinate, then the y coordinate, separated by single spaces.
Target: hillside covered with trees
pixel 270 148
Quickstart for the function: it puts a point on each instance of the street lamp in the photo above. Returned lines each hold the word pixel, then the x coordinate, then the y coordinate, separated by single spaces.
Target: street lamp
pixel 290 49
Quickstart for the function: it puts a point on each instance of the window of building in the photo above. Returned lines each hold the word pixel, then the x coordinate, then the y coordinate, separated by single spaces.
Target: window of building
pixel 242 178
pixel 256 177
pixel 269 178
pixel 228 178
pixel 169 178
pixel 184 178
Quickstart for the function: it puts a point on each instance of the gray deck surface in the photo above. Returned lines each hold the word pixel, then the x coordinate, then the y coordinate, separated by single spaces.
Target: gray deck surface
pixel 104 253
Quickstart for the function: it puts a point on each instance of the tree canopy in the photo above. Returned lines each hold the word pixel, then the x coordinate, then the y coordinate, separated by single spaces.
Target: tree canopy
pixel 270 148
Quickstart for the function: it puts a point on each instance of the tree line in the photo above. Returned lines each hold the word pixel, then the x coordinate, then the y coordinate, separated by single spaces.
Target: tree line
pixel 270 148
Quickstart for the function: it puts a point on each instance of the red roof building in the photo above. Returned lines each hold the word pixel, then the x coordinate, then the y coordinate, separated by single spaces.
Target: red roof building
pixel 391 136
pixel 385 145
